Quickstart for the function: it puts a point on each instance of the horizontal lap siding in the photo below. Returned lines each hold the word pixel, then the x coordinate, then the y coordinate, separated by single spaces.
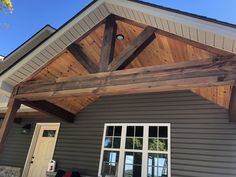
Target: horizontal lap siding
pixel 16 148
pixel 203 141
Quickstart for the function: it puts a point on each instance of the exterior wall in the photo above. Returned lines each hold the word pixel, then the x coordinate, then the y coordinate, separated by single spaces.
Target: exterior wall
pixel 16 148
pixel 17 145
pixel 202 139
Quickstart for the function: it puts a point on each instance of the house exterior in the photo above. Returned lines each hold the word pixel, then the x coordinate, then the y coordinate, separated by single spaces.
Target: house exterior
pixel 124 88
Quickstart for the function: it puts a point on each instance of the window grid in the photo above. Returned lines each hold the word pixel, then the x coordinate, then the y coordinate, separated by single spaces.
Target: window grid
pixel 145 151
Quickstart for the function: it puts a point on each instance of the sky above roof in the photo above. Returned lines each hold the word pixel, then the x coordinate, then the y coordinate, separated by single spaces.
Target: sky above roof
pixel 30 16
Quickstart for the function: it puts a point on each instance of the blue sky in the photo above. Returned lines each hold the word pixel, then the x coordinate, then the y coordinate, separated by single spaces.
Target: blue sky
pixel 30 16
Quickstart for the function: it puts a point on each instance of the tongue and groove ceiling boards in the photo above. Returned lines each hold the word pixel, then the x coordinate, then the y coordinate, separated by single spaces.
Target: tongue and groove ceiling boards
pixel 179 37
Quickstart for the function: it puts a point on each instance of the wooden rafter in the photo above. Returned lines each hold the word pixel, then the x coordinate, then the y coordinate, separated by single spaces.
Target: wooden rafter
pixel 108 47
pixel 82 58
pixel 133 50
pixel 51 109
pixel 13 106
pixel 232 105
pixel 185 75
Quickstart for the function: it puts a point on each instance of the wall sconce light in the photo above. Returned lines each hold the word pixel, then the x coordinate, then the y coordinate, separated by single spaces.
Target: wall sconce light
pixel 26 129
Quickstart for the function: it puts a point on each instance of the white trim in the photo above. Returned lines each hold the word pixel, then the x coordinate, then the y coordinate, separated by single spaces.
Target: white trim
pixel 169 150
pixel 122 152
pixel 144 151
pixel 102 150
pixel 33 145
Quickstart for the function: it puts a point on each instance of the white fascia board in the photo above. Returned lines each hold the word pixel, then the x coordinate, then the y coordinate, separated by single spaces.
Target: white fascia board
pixel 178 18
pixel 53 38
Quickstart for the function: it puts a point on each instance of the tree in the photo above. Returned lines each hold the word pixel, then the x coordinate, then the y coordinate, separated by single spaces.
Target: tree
pixel 6 4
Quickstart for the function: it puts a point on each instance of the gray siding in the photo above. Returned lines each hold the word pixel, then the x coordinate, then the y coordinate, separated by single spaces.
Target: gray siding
pixel 17 145
pixel 203 141
pixel 16 148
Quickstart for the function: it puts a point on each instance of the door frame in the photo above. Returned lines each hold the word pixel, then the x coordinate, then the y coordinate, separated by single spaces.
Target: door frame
pixel 33 145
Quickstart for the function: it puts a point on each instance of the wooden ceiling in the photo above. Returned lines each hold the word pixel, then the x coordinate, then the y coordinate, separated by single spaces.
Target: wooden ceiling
pixel 163 50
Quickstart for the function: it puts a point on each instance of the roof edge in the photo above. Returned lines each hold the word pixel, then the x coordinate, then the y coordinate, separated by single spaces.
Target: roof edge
pixel 42 30
pixel 46 27
pixel 201 17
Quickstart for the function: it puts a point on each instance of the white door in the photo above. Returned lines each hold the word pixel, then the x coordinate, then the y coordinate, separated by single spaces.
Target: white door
pixel 43 151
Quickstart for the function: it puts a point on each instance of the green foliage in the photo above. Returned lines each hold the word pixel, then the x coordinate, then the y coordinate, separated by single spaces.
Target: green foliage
pixel 138 144
pixel 159 145
pixel 6 4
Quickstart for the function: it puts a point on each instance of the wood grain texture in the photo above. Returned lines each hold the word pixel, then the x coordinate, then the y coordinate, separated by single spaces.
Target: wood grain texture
pixel 165 49
pixel 134 49
pixel 51 109
pixel 83 59
pixel 232 105
pixel 217 94
pixel 108 46
pixel 185 75
pixel 13 106
pixel 74 104
pixel 64 66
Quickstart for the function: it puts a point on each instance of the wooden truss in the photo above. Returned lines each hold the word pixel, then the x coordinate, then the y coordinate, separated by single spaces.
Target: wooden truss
pixel 111 77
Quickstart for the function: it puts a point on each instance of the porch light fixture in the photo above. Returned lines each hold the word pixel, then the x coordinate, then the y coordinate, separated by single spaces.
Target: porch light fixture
pixel 120 37
pixel 26 129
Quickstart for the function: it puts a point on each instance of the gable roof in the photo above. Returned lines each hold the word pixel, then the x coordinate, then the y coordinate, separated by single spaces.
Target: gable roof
pixel 18 54
pixel 197 28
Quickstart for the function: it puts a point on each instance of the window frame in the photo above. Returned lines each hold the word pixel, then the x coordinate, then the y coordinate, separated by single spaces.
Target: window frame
pixel 144 151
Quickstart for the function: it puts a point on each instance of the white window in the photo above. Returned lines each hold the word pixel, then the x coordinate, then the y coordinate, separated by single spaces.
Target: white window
pixel 135 150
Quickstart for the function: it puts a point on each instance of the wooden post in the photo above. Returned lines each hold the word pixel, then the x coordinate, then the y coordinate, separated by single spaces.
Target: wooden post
pixel 13 106
pixel 232 105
